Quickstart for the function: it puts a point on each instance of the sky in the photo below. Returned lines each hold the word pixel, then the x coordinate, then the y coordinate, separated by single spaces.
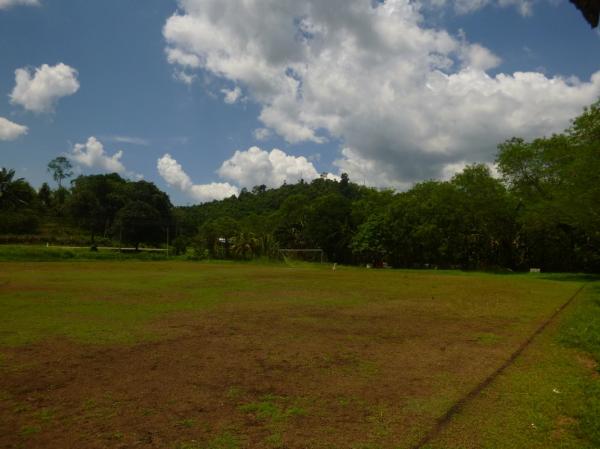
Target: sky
pixel 206 97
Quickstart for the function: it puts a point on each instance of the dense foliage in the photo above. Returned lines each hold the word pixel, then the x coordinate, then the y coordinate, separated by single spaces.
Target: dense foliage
pixel 542 211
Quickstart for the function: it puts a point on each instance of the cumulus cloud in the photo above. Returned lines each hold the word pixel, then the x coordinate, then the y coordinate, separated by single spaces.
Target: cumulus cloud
pixel 244 169
pixel 405 100
pixel 523 7
pixel 262 134
pixel 10 130
pixel 5 4
pixel 172 172
pixel 255 166
pixel 231 96
pixel 184 77
pixel 40 90
pixel 92 155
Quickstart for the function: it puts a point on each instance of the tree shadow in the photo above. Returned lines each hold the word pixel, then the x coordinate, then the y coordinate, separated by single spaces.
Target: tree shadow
pixel 571 277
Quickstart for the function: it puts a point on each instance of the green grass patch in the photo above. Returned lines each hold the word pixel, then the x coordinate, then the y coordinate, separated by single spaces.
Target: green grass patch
pixel 272 409
pixel 117 302
pixel 30 430
pixel 582 331
pixel 550 397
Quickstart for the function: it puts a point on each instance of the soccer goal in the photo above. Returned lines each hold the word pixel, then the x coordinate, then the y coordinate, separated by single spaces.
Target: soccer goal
pixel 314 255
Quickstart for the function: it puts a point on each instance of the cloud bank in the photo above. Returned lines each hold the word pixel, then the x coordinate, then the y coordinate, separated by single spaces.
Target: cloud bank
pixel 174 175
pixel 10 130
pixel 5 4
pixel 244 169
pixel 255 166
pixel 406 101
pixel 92 155
pixel 40 90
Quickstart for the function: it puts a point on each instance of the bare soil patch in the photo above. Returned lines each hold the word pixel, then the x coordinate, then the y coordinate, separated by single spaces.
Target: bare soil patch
pixel 363 376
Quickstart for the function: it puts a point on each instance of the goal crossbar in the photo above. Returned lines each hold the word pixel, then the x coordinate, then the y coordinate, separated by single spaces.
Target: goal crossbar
pixel 289 251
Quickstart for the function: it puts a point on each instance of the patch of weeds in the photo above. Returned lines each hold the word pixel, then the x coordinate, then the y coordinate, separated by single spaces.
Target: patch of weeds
pixel 344 402
pixel 46 414
pixel 30 430
pixel 117 436
pixel 21 408
pixel 367 368
pixel 187 423
pixel 269 409
pixel 275 440
pixel 5 395
pixel 234 392
pixel 488 338
pixel 148 412
pixel 90 404
pixel 273 411
pixel 380 420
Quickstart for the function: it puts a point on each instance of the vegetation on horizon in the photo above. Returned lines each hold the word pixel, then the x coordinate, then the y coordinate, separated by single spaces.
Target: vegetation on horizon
pixel 542 212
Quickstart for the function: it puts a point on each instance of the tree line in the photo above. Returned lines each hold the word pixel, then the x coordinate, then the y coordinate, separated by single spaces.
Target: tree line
pixel 543 210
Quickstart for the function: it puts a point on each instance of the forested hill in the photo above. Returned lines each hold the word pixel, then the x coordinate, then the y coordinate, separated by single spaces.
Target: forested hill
pixel 543 211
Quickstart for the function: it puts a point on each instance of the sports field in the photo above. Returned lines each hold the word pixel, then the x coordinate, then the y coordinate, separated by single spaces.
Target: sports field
pixel 188 355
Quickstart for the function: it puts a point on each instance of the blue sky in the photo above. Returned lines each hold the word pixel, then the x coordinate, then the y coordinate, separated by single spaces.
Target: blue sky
pixel 392 93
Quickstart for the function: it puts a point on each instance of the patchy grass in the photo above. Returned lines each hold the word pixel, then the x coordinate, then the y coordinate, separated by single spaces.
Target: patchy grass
pixel 225 356
pixel 550 397
pixel 114 302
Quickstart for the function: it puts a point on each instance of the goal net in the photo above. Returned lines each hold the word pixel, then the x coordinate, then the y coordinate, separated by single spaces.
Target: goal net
pixel 315 255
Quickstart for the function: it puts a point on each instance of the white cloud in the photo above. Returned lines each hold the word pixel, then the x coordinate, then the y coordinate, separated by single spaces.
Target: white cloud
pixel 177 56
pixel 244 169
pixel 450 170
pixel 404 99
pixel 172 172
pixel 130 140
pixel 367 171
pixel 262 133
pixel 39 91
pixel 523 7
pixel 255 167
pixel 231 96
pixel 5 4
pixel 10 130
pixel 184 77
pixel 92 155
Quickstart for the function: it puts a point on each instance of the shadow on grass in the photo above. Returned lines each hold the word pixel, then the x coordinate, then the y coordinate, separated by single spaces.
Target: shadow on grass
pixel 571 277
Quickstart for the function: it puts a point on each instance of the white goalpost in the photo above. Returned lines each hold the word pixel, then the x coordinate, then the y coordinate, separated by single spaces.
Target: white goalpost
pixel 304 255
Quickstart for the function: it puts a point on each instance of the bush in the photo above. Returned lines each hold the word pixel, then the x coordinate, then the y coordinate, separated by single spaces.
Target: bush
pixel 21 222
pixel 180 245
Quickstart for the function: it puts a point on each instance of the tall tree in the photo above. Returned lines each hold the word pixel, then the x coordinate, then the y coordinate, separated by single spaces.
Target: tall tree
pixel 96 200
pixel 18 204
pixel 61 168
pixel 139 222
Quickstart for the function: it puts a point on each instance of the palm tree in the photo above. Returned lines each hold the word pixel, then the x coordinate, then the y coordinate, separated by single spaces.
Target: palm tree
pixel 244 245
pixel 13 192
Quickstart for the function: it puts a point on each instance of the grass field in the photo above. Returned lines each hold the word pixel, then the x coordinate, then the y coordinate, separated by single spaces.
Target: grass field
pixel 182 355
